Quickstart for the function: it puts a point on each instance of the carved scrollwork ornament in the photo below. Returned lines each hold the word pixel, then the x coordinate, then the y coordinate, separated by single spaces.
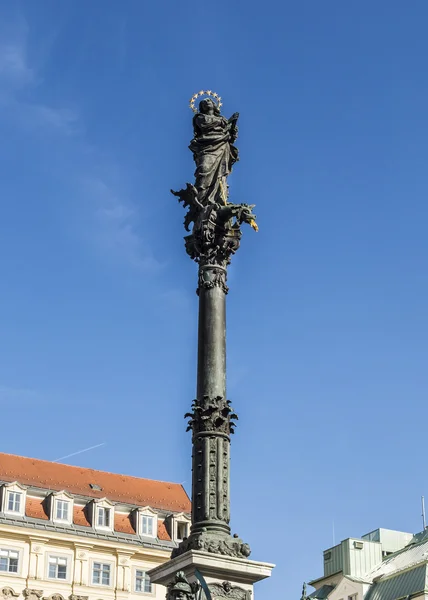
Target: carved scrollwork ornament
pixel 8 592
pixel 31 594
pixel 211 277
pixel 54 597
pixel 227 590
pixel 212 414
pixel 77 597
pixel 212 543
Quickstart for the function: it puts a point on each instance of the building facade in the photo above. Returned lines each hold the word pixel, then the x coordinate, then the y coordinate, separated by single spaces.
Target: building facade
pixel 69 533
pixel 381 565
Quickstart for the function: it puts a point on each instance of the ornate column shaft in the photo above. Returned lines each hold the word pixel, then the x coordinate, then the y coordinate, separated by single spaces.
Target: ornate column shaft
pixel 212 331
pixel 214 238
pixel 210 480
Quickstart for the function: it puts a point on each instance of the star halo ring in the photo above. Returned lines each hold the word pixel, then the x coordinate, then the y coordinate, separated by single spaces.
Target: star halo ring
pixel 213 95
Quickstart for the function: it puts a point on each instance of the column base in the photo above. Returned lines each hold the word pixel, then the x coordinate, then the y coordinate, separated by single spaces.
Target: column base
pixel 225 576
pixel 214 542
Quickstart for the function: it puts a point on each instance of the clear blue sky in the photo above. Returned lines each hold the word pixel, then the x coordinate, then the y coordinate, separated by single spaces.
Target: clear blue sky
pixel 327 314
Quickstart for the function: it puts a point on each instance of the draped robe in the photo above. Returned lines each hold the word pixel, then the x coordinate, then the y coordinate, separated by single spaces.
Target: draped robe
pixel 214 155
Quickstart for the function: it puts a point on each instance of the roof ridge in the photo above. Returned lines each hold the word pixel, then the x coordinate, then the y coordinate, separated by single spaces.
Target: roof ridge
pixel 89 469
pixel 401 570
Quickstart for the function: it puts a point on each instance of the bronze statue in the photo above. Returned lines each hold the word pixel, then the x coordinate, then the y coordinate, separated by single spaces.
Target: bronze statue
pixel 216 233
pixel 213 151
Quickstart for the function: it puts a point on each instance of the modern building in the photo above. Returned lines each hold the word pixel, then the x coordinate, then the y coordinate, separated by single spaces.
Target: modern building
pixel 70 533
pixel 381 565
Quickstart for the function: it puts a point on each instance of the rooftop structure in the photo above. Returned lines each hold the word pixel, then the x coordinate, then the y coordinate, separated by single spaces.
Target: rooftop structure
pixel 381 565
pixel 71 531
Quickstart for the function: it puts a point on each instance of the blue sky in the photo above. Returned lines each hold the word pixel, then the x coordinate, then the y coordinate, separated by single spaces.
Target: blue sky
pixel 327 319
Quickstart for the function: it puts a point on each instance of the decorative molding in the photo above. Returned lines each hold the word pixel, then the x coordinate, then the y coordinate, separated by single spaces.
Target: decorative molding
pixel 62 494
pixel 211 276
pixel 227 590
pixel 211 414
pixel 31 594
pixel 76 597
pixel 214 543
pixel 8 592
pixel 14 485
pixel 103 502
pixel 216 233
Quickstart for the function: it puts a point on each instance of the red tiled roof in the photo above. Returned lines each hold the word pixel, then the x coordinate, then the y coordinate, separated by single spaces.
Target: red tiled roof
pixel 162 532
pixel 123 524
pixel 79 516
pixel 34 508
pixel 76 480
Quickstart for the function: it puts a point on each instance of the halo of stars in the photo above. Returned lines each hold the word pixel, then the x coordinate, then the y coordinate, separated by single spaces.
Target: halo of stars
pixel 215 97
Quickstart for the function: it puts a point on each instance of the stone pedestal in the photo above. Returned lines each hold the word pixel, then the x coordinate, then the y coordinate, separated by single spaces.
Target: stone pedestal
pixel 225 576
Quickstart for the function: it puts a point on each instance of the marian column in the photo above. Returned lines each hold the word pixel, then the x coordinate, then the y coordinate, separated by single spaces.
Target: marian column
pixel 205 564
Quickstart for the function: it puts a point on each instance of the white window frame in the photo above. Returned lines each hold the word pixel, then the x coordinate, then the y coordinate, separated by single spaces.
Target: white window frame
pixel 14 488
pixel 57 497
pixel 176 520
pixel 152 585
pixel 51 555
pixel 105 505
pixel 18 570
pixel 185 524
pixel 105 513
pixel 103 562
pixel 147 512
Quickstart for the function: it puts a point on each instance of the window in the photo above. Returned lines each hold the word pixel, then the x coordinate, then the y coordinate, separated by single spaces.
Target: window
pixel 12 498
pixel 103 517
pixel 142 582
pixel 182 530
pixel 57 567
pixel 61 507
pixel 62 510
pixel 353 597
pixel 9 561
pixel 14 502
pixel 101 574
pixel 147 525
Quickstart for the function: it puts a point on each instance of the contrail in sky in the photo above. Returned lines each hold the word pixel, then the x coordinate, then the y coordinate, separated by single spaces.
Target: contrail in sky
pixel 79 452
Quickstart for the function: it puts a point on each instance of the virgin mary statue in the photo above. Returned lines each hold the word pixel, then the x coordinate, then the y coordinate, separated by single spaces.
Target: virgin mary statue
pixel 213 152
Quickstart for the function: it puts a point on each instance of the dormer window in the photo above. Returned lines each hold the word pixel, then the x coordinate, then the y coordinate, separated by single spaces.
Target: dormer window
pixel 178 526
pixel 147 525
pixel 62 508
pixel 103 514
pixel 103 517
pixel 13 499
pixel 147 522
pixel 182 530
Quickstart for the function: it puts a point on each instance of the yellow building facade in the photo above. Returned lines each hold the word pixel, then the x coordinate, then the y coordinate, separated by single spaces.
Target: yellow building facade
pixel 68 533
